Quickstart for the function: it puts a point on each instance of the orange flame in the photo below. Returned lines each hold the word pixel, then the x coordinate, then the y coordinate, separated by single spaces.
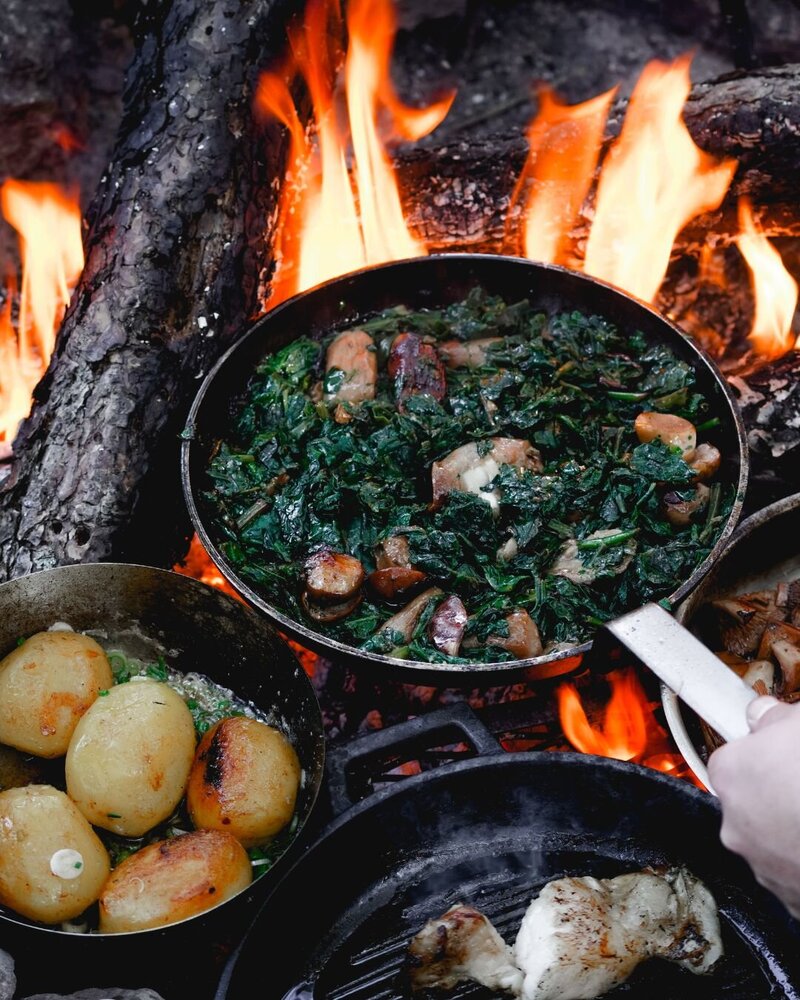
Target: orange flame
pixel 563 147
pixel 329 221
pixel 653 182
pixel 48 221
pixel 775 290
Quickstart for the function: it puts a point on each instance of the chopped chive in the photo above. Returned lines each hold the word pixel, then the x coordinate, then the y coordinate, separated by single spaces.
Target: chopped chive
pixel 114 815
pixel 627 397
pixel 708 424
pixel 609 540
pixel 102 694
pixel 21 641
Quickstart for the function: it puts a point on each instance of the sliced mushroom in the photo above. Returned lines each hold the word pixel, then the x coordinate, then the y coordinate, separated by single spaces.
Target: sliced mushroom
pixel 415 368
pixel 508 550
pixel 681 512
pixel 332 577
pixel 353 354
pixel 782 641
pixel 475 465
pixel 446 627
pixel 742 620
pixel 666 427
pixel 405 621
pixel 573 567
pixel 393 551
pixel 326 613
pixel 760 675
pixel 466 353
pixel 705 461
pixel 396 583
pixel 523 639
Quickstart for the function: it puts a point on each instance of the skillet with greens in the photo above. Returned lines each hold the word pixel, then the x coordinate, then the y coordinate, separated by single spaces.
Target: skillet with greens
pixel 480 483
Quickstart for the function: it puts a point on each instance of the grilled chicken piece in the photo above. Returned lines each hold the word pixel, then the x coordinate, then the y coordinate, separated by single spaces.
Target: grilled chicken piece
pixel 469 468
pixel 574 563
pixel 446 627
pixel 352 353
pixel 461 946
pixel 466 353
pixel 583 936
pixel 415 368
pixel 666 427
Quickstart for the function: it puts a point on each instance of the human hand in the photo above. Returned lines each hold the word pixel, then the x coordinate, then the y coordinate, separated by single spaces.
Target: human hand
pixel 758 783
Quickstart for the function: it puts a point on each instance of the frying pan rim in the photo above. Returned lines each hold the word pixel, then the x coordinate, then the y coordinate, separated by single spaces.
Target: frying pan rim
pixel 319 748
pixel 421 670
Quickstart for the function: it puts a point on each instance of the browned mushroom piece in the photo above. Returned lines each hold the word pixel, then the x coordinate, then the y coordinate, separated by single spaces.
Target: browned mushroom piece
pixel 446 627
pixel 466 353
pixel 396 583
pixel 332 577
pixel 680 511
pixel 393 551
pixel 405 621
pixel 705 461
pixel 327 613
pixel 782 640
pixel 474 465
pixel 666 427
pixel 523 639
pixel 415 368
pixel 351 364
pixel 742 620
pixel 760 675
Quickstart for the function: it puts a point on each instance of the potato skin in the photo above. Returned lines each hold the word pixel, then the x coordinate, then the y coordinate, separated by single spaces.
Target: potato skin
pixel 244 780
pixel 35 823
pixel 46 685
pixel 130 756
pixel 172 880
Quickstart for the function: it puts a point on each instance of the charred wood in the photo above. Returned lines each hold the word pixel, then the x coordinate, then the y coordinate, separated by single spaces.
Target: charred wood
pixel 173 256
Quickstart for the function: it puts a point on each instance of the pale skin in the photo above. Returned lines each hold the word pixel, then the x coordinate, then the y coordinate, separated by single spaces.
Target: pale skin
pixel 758 784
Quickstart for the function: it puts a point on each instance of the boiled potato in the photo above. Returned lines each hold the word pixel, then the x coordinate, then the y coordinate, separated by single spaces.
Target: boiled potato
pixel 46 685
pixel 244 780
pixel 172 880
pixel 129 757
pixel 52 864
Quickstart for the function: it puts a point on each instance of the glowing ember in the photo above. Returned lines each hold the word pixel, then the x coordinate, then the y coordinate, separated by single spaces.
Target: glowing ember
pixel 48 222
pixel 774 289
pixel 563 147
pixel 653 182
pixel 331 221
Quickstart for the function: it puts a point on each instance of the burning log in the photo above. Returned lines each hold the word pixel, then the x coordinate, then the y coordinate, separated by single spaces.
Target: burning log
pixel 753 117
pixel 174 254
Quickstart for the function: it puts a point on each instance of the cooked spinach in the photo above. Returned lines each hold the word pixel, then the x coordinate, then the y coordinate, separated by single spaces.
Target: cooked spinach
pixel 570 384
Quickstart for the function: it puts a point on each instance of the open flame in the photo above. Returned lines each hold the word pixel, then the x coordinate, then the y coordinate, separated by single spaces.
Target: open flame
pixel 628 730
pixel 774 289
pixel 48 221
pixel 332 220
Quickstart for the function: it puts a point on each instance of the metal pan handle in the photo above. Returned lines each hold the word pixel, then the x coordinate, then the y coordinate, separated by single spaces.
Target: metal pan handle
pixel 348 767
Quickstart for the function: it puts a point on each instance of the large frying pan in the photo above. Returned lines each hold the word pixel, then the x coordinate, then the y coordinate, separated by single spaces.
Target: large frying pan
pixel 432 282
pixel 490 831
pixel 146 613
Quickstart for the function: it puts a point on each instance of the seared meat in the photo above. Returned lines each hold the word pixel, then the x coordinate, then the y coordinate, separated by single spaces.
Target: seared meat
pixel 583 936
pixel 415 369
pixel 395 583
pixel 393 551
pixel 332 576
pixel 462 946
pixel 353 355
pixel 473 466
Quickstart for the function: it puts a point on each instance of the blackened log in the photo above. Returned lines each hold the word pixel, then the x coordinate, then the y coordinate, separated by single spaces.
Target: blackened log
pixel 769 398
pixel 457 195
pixel 171 277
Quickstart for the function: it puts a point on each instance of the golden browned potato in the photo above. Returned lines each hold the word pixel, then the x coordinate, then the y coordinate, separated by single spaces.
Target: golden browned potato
pixel 52 864
pixel 244 780
pixel 172 880
pixel 46 685
pixel 129 758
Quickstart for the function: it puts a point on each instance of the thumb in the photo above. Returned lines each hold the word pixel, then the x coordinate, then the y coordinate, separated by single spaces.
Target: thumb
pixel 766 711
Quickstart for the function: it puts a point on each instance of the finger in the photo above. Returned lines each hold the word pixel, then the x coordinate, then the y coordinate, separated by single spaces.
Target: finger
pixel 766 711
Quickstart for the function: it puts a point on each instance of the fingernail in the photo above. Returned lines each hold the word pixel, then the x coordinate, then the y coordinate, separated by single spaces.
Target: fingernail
pixel 758 708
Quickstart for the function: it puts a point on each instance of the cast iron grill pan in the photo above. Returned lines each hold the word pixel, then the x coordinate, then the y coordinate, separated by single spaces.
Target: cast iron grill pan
pixel 491 831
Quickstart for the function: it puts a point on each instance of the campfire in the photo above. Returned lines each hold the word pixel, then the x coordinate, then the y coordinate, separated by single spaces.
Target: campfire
pixel 280 154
